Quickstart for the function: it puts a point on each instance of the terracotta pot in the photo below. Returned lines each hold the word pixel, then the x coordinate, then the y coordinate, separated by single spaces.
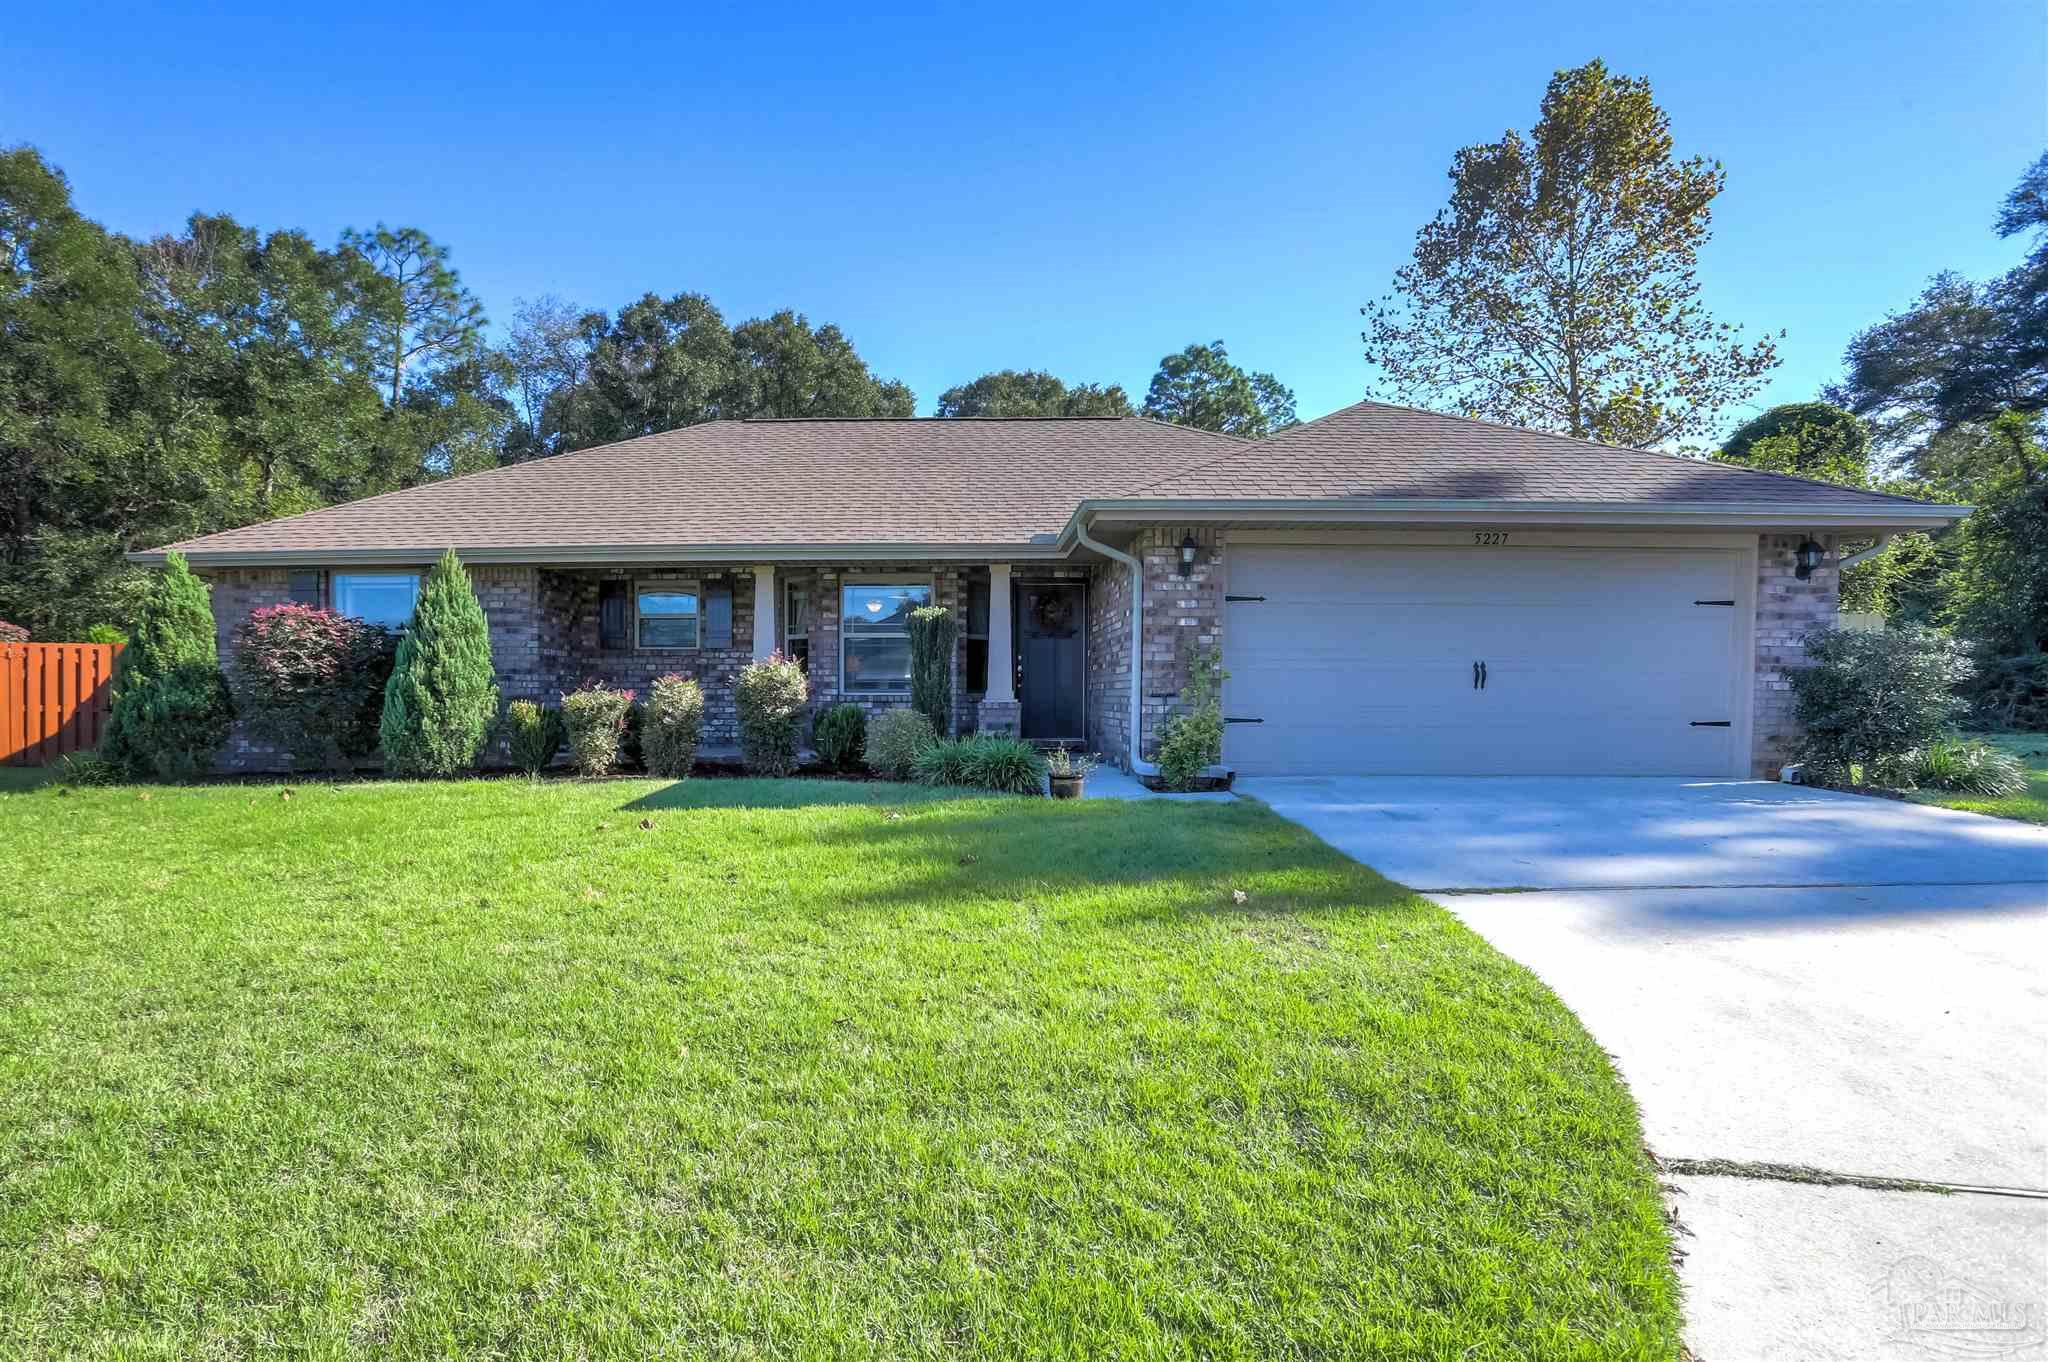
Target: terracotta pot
pixel 1065 787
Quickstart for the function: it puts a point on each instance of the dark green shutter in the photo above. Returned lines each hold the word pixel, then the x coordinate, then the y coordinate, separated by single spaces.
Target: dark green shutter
pixel 303 585
pixel 718 615
pixel 611 615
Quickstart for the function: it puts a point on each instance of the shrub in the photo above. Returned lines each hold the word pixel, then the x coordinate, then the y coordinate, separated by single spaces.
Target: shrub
pixel 1963 765
pixel 442 698
pixel 12 633
pixel 312 682
pixel 1193 739
pixel 839 732
pixel 672 722
pixel 171 707
pixel 983 762
pixel 1868 696
pixel 533 734
pixel 770 695
pixel 895 740
pixel 932 634
pixel 105 633
pixel 2010 691
pixel 595 719
pixel 84 768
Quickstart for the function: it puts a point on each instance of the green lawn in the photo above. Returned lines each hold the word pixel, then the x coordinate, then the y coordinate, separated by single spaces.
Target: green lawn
pixel 778 1069
pixel 2030 807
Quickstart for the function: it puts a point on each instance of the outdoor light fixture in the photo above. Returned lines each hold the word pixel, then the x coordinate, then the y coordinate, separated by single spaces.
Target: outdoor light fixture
pixel 1188 549
pixel 1809 556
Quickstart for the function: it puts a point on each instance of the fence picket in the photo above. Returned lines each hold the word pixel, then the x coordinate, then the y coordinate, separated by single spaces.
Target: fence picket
pixel 54 699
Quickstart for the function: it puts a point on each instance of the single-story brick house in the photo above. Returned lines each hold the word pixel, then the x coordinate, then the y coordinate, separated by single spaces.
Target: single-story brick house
pixel 1391 590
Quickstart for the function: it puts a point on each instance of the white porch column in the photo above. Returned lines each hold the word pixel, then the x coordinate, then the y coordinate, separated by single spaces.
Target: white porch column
pixel 767 634
pixel 1001 687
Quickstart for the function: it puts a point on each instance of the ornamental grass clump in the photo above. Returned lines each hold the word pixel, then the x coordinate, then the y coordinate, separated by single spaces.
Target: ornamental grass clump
pixel 1958 765
pixel 839 734
pixel 442 699
pixel 533 734
pixel 311 682
pixel 770 697
pixel 671 725
pixel 171 708
pixel 595 718
pixel 983 762
pixel 896 738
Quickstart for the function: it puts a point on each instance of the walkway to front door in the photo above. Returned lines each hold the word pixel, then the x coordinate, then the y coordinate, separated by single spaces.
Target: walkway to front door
pixel 1051 660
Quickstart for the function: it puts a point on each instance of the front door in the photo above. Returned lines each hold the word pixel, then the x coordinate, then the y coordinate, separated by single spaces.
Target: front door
pixel 1051 664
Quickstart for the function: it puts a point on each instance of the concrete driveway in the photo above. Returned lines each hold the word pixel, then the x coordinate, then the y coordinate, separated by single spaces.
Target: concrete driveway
pixel 1787 979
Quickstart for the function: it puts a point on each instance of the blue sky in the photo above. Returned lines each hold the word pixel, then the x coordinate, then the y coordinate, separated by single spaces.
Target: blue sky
pixel 1028 186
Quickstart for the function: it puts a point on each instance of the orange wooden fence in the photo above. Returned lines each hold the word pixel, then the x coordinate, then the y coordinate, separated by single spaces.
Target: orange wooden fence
pixel 53 699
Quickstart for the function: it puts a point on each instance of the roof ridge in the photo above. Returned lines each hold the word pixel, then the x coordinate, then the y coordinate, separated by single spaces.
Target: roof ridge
pixel 901 420
pixel 1580 442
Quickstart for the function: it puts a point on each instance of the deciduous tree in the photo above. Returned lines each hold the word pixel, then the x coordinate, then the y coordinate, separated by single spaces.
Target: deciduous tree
pixel 1032 392
pixel 1559 289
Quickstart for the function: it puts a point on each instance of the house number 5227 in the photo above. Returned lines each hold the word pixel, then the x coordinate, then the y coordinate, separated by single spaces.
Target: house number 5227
pixel 1490 538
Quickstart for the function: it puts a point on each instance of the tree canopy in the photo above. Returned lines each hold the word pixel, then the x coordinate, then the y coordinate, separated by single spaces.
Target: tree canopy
pixel 1201 387
pixel 1558 290
pixel 1032 392
pixel 1806 439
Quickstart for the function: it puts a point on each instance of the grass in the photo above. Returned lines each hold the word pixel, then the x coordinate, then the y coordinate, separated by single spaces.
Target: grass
pixel 779 1069
pixel 2031 806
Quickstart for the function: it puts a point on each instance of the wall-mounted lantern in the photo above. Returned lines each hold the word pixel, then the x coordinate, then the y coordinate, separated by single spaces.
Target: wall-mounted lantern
pixel 1188 549
pixel 1807 557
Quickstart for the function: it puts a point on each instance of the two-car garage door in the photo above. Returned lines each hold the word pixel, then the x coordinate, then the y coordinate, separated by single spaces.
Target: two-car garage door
pixel 1469 660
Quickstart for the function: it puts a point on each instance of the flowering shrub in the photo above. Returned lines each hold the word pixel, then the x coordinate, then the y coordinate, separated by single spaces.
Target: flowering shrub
pixel 670 725
pixel 770 695
pixel 596 719
pixel 12 633
pixel 312 682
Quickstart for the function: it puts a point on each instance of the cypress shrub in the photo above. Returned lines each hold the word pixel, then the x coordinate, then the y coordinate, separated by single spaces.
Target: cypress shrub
pixel 839 733
pixel 171 707
pixel 671 724
pixel 443 696
pixel 933 631
pixel 770 695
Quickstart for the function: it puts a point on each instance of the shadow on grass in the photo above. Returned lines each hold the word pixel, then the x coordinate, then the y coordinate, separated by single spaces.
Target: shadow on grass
pixel 922 846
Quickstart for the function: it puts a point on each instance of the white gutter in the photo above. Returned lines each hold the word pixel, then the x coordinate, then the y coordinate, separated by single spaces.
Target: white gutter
pixel 1883 542
pixel 1139 766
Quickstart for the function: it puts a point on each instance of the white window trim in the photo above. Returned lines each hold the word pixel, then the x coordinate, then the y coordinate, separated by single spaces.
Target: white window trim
pixel 849 580
pixel 336 576
pixel 692 589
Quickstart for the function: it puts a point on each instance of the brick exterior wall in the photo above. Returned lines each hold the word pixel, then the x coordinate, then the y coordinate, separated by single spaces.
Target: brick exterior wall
pixel 1787 609
pixel 544 635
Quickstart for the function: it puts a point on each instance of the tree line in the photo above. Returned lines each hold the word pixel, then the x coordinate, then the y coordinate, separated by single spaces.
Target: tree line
pixel 156 390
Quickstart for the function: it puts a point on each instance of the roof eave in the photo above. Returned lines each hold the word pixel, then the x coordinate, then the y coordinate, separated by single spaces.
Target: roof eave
pixel 1902 516
pixel 596 555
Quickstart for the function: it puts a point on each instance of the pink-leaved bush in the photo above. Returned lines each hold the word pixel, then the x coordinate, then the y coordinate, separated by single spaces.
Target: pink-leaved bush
pixel 311 682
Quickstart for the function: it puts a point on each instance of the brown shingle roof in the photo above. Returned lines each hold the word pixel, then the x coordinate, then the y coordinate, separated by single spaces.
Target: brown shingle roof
pixel 934 482
pixel 1376 450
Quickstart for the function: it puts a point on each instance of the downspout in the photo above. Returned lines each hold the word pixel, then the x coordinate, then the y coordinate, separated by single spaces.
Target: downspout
pixel 1883 541
pixel 1138 765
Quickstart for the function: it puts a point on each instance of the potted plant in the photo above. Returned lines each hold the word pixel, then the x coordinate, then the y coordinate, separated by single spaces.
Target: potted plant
pixel 1066 771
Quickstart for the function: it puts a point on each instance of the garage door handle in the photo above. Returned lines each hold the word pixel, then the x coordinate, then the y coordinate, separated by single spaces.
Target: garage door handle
pixel 1479 676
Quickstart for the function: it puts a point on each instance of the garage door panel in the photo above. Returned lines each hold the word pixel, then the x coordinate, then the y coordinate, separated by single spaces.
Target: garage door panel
pixel 1597 661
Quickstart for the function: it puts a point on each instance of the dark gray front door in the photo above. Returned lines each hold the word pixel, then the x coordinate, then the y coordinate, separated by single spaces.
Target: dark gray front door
pixel 1051 664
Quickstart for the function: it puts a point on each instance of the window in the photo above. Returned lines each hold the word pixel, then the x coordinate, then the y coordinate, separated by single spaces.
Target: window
pixel 874 635
pixel 976 636
pixel 382 598
pixel 796 624
pixel 666 618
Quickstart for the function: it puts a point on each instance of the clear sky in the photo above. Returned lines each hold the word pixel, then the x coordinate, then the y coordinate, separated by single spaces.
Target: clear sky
pixel 1080 190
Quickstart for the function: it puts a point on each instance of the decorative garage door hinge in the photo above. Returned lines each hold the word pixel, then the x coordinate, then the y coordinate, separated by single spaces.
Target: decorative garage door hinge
pixel 1243 721
pixel 1713 602
pixel 1244 598
pixel 1710 723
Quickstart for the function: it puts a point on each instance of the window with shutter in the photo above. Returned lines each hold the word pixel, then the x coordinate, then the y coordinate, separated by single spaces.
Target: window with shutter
pixel 303 586
pixel 611 615
pixel 718 614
